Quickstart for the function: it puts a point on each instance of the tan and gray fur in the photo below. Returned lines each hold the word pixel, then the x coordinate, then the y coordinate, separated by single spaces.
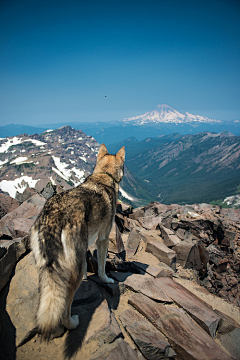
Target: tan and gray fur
pixel 68 224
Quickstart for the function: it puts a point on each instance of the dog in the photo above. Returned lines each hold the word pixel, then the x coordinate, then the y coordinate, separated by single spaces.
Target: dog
pixel 68 223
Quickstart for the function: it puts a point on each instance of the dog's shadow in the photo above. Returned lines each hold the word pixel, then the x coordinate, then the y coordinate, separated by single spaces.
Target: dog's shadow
pixel 85 308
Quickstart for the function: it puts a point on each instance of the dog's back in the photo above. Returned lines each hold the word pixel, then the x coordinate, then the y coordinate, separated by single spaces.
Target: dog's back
pixel 68 223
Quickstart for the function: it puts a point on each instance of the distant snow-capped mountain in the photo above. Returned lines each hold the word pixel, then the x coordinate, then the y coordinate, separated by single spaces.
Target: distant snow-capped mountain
pixel 166 114
pixel 64 157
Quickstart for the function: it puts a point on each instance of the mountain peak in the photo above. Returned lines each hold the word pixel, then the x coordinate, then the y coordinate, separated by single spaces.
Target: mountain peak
pixel 166 114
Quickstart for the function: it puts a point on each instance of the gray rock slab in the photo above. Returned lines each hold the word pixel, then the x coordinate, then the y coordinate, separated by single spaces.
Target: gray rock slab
pixel 87 292
pixel 118 350
pixel 23 297
pixel 197 308
pixel 153 270
pixel 151 342
pixel 231 342
pixel 132 243
pixel 150 223
pixel 103 325
pixel 11 251
pixel 187 338
pixel 162 252
pixel 148 286
pixel 113 289
pixel 18 222
pixel 168 236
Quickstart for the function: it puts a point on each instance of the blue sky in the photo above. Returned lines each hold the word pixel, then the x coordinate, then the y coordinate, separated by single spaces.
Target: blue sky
pixel 103 60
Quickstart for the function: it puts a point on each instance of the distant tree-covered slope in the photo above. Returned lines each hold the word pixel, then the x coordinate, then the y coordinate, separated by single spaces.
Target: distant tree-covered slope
pixel 195 168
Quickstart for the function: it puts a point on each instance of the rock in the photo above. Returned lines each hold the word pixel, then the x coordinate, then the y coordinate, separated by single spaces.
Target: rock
pixel 148 286
pixel 186 337
pixel 230 342
pixel 103 325
pixel 162 252
pixel 197 308
pixel 23 297
pixel 87 292
pixel 132 243
pixel 227 324
pixel 192 256
pixel 115 240
pixel 19 221
pixel 7 204
pixel 150 223
pixel 137 213
pixel 119 350
pixel 113 289
pixel 152 344
pixel 155 271
pixel 10 252
pixel 168 236
pixel 28 192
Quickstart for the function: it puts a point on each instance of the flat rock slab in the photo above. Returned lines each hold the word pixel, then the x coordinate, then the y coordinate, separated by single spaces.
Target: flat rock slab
pixel 150 341
pixel 197 308
pixel 113 289
pixel 155 271
pixel 162 252
pixel 23 297
pixel 231 342
pixel 119 350
pixel 103 325
pixel 115 240
pixel 19 221
pixel 11 251
pixel 227 324
pixel 87 292
pixel 150 222
pixel 132 243
pixel 120 276
pixel 187 338
pixel 168 236
pixel 148 286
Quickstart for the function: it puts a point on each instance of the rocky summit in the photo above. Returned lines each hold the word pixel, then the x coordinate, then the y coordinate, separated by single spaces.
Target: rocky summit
pixel 63 157
pixel 176 293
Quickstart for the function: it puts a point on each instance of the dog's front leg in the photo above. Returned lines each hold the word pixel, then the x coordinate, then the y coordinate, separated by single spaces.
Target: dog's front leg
pixel 102 248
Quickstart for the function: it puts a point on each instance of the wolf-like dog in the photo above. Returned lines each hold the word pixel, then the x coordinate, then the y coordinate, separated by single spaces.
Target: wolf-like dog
pixel 68 224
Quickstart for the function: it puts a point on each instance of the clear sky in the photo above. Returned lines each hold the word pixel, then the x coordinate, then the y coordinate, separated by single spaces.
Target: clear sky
pixel 74 60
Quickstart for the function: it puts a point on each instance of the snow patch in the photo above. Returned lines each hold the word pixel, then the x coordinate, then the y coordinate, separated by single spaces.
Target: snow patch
pixel 124 194
pixel 19 184
pixel 19 160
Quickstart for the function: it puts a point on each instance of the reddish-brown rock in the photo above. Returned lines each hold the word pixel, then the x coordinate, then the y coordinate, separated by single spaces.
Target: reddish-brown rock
pixel 148 286
pixel 150 341
pixel 197 308
pixel 186 337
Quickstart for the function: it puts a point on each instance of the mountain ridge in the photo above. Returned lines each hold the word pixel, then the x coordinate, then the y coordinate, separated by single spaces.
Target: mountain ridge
pixel 166 114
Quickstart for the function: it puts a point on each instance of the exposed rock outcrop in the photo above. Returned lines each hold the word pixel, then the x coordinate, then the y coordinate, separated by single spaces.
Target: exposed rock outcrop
pixel 162 304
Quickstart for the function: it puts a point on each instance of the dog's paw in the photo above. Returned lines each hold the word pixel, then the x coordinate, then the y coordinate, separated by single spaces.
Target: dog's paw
pixel 84 277
pixel 105 279
pixel 74 322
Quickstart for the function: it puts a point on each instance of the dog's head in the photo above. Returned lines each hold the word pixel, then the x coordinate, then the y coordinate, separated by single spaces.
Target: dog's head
pixel 112 165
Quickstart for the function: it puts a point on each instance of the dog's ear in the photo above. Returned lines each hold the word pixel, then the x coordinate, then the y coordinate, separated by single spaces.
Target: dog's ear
pixel 121 153
pixel 101 152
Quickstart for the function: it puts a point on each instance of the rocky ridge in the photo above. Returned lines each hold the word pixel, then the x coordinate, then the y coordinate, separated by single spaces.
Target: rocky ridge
pixel 64 157
pixel 169 262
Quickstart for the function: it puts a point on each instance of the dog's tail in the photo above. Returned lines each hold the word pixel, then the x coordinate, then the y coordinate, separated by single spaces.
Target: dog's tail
pixel 53 300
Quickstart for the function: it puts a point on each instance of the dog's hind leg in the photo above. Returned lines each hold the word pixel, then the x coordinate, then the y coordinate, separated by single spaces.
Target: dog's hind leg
pixel 71 322
pixel 102 248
